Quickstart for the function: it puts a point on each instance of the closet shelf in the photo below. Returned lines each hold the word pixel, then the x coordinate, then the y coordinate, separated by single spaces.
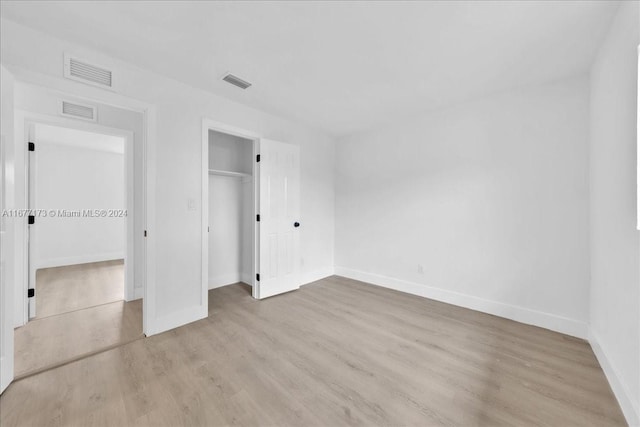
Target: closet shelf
pixel 228 173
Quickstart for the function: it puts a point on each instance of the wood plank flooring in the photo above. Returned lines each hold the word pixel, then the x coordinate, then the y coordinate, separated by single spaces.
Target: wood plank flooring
pixel 73 287
pixel 337 352
pixel 56 339
pixel 80 311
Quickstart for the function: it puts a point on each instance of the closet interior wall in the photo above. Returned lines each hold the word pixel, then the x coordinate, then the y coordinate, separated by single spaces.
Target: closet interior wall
pixel 231 216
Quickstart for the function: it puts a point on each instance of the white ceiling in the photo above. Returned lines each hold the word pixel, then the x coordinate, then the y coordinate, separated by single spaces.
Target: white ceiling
pixel 47 134
pixel 342 67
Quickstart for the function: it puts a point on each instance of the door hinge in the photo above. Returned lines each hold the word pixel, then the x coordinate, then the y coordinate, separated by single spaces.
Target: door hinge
pixel 145 233
pixel 32 146
pixel 208 229
pixel 258 277
pixel 32 219
pixel 258 217
pixel 258 158
pixel 31 293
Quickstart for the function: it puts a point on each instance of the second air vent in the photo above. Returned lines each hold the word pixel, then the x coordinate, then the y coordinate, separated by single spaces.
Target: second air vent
pixel 78 111
pixel 236 81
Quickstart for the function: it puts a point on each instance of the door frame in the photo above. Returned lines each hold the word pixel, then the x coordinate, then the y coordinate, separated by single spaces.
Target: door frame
pixel 30 122
pixel 64 90
pixel 207 125
pixel 7 301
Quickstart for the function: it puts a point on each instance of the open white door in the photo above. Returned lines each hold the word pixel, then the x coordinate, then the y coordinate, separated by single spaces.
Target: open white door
pixel 279 206
pixel 31 221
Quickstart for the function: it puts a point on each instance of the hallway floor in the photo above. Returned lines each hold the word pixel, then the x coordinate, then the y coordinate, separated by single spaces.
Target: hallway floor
pixel 74 287
pixel 80 311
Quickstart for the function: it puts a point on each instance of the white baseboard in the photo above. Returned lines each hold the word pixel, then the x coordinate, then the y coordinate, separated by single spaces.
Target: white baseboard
pixel 230 279
pixel 223 280
pixel 138 292
pixel 78 259
pixel 312 276
pixel 630 409
pixel 513 312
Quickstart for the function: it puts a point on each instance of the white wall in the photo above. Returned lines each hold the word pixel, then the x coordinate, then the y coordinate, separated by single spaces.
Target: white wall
pixel 179 109
pixel 226 232
pixel 615 242
pixel 78 178
pixel 483 205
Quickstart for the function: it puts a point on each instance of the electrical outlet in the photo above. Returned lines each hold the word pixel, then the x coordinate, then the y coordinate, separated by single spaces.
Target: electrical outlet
pixel 191 204
pixel 420 269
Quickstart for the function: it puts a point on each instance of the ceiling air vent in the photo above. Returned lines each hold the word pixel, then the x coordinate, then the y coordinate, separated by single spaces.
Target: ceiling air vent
pixel 236 81
pixel 79 111
pixel 82 71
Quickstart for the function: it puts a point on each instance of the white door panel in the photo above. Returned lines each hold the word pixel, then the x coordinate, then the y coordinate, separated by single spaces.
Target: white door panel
pixel 279 205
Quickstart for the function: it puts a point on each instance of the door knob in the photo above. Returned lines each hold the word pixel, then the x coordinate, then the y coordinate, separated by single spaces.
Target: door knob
pixel 296 224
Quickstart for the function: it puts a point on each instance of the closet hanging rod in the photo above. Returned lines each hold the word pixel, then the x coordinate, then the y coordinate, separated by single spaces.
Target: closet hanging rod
pixel 229 173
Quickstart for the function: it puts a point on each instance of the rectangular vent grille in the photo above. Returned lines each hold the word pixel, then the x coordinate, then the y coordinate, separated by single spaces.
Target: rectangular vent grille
pixel 84 71
pixel 78 111
pixel 236 81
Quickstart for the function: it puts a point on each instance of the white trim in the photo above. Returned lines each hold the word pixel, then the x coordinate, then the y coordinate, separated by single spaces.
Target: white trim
pixel 28 119
pixel 207 125
pixel 638 147
pixel 7 300
pixel 519 314
pixel 228 129
pixel 255 171
pixel 630 409
pixel 80 259
pixel 149 320
pixel 20 239
pixel 204 211
pixel 68 88
pixel 130 238
pixel 109 150
pixel 313 276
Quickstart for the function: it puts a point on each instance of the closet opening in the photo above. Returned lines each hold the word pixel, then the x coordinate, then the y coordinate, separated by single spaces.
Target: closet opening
pixel 250 212
pixel 231 217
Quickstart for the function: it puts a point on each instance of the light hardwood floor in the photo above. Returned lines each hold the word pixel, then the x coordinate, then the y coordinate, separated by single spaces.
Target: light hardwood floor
pixel 73 287
pixel 336 352
pixel 46 342
pixel 80 311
